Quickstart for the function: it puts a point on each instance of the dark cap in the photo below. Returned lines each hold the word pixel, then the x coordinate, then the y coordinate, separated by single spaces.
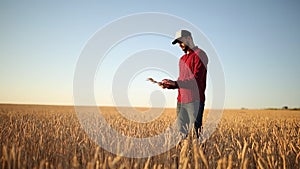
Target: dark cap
pixel 180 34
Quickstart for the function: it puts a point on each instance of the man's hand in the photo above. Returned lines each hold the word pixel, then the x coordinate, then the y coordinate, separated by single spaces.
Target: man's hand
pixel 165 83
pixel 169 84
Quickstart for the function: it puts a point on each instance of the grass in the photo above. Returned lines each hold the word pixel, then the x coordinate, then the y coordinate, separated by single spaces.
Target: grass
pixel 52 137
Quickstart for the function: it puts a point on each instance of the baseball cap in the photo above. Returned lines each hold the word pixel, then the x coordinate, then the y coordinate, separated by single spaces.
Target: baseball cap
pixel 179 34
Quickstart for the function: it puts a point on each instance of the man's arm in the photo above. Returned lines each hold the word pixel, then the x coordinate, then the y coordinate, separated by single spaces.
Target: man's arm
pixel 199 70
pixel 186 83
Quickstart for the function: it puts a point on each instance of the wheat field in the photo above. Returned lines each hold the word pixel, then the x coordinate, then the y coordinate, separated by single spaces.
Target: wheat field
pixel 35 136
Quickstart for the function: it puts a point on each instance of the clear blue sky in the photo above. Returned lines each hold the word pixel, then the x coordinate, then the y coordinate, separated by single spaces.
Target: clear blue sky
pixel 258 43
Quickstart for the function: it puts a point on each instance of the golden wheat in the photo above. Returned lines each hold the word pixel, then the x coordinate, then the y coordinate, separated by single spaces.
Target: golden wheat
pixel 52 137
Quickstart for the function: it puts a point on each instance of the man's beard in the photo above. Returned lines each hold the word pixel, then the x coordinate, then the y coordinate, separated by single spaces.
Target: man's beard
pixel 186 48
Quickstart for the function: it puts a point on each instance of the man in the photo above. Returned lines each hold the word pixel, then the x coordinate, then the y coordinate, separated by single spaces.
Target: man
pixel 191 84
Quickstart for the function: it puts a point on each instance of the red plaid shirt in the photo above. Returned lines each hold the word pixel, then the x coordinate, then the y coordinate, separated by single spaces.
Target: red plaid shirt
pixel 192 76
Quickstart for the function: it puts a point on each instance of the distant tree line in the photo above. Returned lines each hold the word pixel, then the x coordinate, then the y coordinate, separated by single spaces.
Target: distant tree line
pixel 282 108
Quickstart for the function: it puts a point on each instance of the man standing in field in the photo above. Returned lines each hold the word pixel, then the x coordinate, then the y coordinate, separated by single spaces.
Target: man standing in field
pixel 191 84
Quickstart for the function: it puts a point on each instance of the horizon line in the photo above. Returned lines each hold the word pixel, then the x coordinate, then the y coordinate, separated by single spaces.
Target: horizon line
pixel 72 105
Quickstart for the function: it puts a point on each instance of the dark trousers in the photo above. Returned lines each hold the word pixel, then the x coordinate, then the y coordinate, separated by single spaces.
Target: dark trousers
pixel 189 115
